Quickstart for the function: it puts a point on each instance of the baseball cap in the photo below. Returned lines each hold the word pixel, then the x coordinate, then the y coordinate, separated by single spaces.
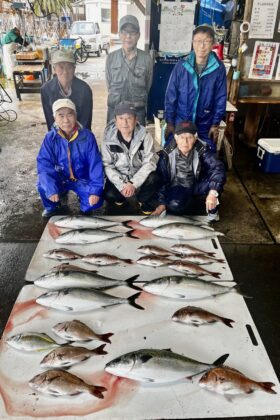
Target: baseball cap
pixel 129 19
pixel 125 107
pixel 60 56
pixel 185 127
pixel 63 103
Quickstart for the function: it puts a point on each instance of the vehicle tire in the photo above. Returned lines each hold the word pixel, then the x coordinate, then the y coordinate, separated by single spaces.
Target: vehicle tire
pixel 99 52
pixel 80 55
pixel 107 49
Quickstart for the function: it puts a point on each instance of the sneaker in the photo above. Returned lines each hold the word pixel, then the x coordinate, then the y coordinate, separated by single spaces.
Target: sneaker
pixel 213 217
pixel 146 209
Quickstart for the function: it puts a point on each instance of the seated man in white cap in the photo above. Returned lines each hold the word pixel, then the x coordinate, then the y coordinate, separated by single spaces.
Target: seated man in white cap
pixel 69 159
pixel 129 71
pixel 66 85
pixel 129 160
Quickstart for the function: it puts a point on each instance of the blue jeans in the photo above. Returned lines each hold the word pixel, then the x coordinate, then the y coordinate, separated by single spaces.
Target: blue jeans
pixel 180 200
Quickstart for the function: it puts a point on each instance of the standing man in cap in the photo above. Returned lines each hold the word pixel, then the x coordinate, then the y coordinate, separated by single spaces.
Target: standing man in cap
pixel 10 40
pixel 197 89
pixel 69 159
pixel 129 71
pixel 189 168
pixel 129 160
pixel 66 85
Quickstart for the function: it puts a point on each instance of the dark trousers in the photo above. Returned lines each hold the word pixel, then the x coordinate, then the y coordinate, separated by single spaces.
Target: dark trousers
pixel 144 194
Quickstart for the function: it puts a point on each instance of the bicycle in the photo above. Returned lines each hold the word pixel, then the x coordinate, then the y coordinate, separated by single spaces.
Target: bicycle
pixel 8 115
pixel 81 54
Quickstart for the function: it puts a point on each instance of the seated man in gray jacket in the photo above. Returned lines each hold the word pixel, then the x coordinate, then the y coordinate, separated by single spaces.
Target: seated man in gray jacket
pixel 129 160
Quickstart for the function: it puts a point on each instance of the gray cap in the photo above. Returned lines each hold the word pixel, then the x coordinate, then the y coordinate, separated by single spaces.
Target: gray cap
pixel 125 107
pixel 62 56
pixel 129 19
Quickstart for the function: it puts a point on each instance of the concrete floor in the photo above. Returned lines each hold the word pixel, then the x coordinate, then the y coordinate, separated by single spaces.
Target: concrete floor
pixel 250 212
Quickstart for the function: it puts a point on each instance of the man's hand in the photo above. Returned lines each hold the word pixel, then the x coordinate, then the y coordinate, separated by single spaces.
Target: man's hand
pixel 214 133
pixel 168 130
pixel 211 202
pixel 128 190
pixel 93 199
pixel 160 209
pixel 54 198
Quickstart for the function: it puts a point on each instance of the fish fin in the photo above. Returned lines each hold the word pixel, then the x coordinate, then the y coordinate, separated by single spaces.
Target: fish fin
pixel 106 337
pixel 207 227
pixel 180 296
pixel 221 360
pixel 149 380
pixel 130 282
pixel 145 358
pixel 216 275
pixel 97 391
pixel 131 301
pixel 99 350
pixel 68 308
pixel 266 386
pixel 228 322
pixel 168 349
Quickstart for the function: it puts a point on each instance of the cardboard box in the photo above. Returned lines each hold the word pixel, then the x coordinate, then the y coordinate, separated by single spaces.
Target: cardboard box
pixel 268 155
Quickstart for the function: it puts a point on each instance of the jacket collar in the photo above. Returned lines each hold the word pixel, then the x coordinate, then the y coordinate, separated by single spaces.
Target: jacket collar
pixel 212 63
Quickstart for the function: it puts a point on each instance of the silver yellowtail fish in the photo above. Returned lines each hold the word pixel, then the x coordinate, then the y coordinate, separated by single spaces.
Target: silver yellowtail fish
pixel 192 315
pixel 31 341
pixel 154 250
pixel 187 267
pixel 81 300
pixel 84 222
pixel 228 381
pixel 186 249
pixel 186 288
pixel 62 279
pixel 105 259
pixel 62 254
pixel 87 236
pixel 153 261
pixel 66 356
pixel 60 383
pixel 76 330
pixel 185 231
pixel 157 221
pixel 202 259
pixel 158 366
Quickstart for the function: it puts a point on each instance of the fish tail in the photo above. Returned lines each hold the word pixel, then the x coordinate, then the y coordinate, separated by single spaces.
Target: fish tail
pixel 100 350
pixel 216 275
pixel 128 261
pixel 228 322
pixel 211 254
pixel 132 299
pixel 220 260
pixel 126 223
pixel 130 283
pixel 131 234
pixel 266 386
pixel 97 391
pixel 106 337
pixel 221 360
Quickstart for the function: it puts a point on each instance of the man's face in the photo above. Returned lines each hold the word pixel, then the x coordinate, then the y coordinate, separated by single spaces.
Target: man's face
pixel 202 45
pixel 185 142
pixel 66 119
pixel 65 72
pixel 126 123
pixel 129 37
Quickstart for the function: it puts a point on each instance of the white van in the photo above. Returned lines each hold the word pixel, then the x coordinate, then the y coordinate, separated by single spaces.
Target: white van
pixel 90 33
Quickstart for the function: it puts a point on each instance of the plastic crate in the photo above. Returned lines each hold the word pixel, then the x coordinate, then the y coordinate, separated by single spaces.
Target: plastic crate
pixel 268 155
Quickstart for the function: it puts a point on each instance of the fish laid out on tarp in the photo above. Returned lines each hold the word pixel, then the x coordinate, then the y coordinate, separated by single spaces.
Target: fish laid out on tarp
pixel 87 236
pixel 84 222
pixel 62 254
pixel 155 250
pixel 202 259
pixel 80 300
pixel 193 269
pixel 158 366
pixel 186 249
pixel 31 341
pixel 67 355
pixel 62 279
pixel 105 259
pixel 76 330
pixel 184 231
pixel 60 383
pixel 153 261
pixel 186 288
pixel 228 381
pixel 193 315
pixel 157 221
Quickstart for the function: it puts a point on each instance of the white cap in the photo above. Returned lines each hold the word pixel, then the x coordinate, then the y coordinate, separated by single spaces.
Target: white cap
pixel 63 103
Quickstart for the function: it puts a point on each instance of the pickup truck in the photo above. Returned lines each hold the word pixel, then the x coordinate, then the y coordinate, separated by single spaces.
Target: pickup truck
pixel 90 33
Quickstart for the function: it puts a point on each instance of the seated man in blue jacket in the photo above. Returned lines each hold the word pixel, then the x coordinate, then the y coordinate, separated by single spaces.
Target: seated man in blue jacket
pixel 188 167
pixel 69 159
pixel 197 89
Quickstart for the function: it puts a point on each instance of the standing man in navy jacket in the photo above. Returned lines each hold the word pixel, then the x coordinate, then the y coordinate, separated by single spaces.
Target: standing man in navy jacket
pixel 197 89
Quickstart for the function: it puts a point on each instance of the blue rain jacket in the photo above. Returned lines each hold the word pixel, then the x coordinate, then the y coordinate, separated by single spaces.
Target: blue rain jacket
pixel 86 163
pixel 200 99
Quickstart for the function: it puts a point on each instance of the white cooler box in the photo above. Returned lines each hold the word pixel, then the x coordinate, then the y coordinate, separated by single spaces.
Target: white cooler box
pixel 268 155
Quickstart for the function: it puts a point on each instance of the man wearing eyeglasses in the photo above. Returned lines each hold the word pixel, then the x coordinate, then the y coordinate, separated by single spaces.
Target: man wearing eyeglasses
pixel 129 71
pixel 197 89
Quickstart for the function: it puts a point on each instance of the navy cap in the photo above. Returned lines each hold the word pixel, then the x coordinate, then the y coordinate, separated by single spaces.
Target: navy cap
pixel 125 107
pixel 185 127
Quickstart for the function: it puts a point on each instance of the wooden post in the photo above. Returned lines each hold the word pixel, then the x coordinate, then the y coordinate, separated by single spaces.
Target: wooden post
pixel 114 17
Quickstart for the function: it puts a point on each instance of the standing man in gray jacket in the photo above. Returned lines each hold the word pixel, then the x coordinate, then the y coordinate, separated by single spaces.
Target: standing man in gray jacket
pixel 129 160
pixel 129 71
